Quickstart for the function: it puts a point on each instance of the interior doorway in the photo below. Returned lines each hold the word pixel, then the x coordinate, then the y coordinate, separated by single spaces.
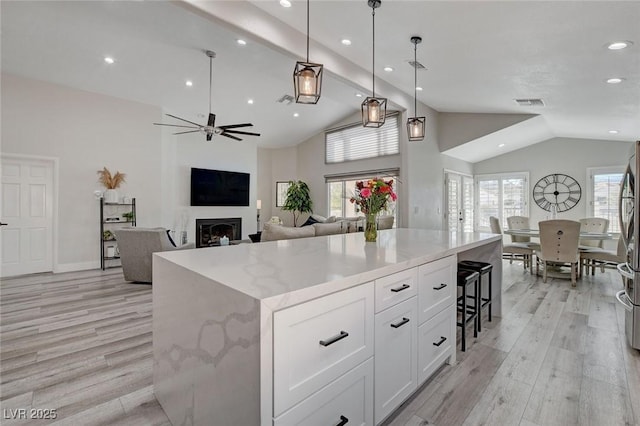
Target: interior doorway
pixel 458 201
pixel 26 212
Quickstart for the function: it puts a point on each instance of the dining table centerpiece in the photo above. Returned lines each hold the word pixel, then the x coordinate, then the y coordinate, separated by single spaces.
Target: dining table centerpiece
pixel 371 197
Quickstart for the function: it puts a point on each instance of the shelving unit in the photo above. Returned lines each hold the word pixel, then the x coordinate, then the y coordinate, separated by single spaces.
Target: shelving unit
pixel 112 217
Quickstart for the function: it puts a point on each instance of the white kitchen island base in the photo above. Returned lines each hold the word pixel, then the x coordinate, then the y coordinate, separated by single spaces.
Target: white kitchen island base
pixel 322 330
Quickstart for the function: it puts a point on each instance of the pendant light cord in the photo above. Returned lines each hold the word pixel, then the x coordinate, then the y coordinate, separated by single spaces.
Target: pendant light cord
pixel 210 81
pixel 415 79
pixel 307 31
pixel 373 66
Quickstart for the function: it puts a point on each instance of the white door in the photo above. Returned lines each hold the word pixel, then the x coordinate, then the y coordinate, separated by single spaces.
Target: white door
pixel 26 237
pixel 459 202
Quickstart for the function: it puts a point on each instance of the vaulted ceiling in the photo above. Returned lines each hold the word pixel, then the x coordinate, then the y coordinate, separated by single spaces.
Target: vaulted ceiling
pixel 479 57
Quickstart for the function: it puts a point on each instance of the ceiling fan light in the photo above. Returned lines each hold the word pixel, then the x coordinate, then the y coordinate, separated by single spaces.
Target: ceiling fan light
pixel 374 112
pixel 307 82
pixel 415 128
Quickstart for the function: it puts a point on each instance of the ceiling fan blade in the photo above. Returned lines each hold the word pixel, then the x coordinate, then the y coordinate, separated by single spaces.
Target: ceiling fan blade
pixel 230 136
pixel 212 120
pixel 182 119
pixel 189 131
pixel 233 126
pixel 239 132
pixel 176 125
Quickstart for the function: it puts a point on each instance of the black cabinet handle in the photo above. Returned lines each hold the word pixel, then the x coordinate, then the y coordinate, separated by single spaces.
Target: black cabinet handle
pixel 442 340
pixel 402 287
pixel 3 224
pixel 400 323
pixel 443 285
pixel 332 340
pixel 343 421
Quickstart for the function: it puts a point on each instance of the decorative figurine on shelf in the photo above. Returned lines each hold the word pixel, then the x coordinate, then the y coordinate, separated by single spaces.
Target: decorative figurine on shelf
pixel 111 182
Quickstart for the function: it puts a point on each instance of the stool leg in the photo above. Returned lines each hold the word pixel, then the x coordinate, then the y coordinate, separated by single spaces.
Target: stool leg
pixel 490 296
pixel 478 304
pixel 464 317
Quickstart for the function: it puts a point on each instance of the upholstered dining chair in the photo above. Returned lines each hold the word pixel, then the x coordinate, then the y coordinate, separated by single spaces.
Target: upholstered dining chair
pixel 593 224
pixel 510 251
pixel 559 246
pixel 603 258
pixel 521 222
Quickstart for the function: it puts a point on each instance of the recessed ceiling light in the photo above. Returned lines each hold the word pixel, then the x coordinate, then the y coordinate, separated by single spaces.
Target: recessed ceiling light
pixel 109 59
pixel 615 80
pixel 419 89
pixel 189 83
pixel 613 132
pixel 295 114
pixel 388 69
pixel 501 145
pixel 618 45
pixel 346 42
pixel 250 101
pixel 285 3
pixel 241 42
pixel 358 95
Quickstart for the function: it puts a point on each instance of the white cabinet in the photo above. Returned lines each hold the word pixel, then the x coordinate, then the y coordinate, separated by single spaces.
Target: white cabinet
pixel 346 401
pixel 436 339
pixel 318 341
pixel 436 286
pixel 396 334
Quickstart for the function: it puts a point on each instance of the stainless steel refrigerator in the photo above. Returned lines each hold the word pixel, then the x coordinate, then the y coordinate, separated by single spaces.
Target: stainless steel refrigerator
pixel 629 210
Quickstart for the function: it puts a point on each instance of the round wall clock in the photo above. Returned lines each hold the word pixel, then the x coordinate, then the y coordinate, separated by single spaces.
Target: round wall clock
pixel 557 190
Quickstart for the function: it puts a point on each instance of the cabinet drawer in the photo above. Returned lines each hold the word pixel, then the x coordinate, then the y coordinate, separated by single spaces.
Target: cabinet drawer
pixel 396 375
pixel 395 288
pixel 436 286
pixel 349 400
pixel 436 341
pixel 318 341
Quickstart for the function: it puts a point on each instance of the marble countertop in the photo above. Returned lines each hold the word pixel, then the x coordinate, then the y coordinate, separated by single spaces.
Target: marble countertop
pixel 300 269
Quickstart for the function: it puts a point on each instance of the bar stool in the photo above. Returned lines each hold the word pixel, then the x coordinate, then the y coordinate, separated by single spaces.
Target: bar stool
pixel 483 268
pixel 469 312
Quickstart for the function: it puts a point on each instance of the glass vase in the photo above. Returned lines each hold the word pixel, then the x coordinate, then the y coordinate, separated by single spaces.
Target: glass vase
pixel 370 228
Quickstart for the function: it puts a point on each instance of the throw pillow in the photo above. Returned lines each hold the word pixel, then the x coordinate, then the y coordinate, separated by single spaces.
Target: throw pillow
pixel 310 221
pixel 318 218
pixel 170 239
pixel 329 228
pixel 272 232
pixel 330 219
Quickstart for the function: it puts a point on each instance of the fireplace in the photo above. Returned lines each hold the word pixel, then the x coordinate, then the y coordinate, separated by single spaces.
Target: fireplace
pixel 209 231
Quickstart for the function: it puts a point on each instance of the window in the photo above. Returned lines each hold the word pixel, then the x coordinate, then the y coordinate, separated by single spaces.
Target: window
pixel 501 195
pixel 604 187
pixel 355 142
pixel 341 187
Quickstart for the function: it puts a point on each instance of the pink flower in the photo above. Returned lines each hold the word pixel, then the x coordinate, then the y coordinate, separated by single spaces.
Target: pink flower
pixel 394 197
pixel 365 192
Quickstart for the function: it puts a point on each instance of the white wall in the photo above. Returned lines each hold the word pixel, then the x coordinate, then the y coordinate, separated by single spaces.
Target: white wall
pixel 559 155
pixel 87 131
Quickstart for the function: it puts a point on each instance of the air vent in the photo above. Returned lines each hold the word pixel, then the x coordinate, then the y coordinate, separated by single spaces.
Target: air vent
pixel 529 102
pixel 416 64
pixel 285 99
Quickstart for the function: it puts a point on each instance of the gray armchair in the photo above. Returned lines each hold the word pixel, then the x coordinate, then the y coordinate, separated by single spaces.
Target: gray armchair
pixel 136 247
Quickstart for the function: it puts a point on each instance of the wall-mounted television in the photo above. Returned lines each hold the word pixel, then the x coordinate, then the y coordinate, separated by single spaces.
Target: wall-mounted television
pixel 219 188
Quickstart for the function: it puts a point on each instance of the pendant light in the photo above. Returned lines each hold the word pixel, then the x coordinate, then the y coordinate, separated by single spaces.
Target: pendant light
pixel 415 124
pixel 307 77
pixel 374 110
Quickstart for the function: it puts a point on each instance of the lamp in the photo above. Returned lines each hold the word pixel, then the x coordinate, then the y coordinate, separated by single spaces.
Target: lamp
pixel 415 124
pixel 258 206
pixel 307 77
pixel 374 110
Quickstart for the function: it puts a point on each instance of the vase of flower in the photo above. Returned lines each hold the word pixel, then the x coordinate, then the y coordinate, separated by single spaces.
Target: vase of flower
pixel 371 197
pixel 370 228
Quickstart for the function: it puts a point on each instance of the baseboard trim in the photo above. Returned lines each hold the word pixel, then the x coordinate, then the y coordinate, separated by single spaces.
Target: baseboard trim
pixel 72 267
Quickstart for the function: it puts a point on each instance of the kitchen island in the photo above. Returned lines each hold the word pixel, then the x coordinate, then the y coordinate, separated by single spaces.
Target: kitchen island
pixel 286 332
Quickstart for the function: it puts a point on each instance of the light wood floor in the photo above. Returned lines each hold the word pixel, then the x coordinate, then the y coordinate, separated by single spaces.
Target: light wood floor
pixel 80 343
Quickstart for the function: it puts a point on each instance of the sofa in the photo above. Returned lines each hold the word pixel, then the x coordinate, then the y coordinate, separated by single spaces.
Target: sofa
pixel 137 246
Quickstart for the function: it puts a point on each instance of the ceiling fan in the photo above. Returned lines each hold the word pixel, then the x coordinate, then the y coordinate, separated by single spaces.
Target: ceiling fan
pixel 210 128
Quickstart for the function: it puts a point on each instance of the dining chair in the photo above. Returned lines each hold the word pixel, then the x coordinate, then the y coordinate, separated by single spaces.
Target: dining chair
pixel 513 250
pixel 596 225
pixel 602 258
pixel 559 246
pixel 521 222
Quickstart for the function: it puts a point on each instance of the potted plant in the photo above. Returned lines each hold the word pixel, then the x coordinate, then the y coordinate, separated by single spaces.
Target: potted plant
pixel 111 182
pixel 298 200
